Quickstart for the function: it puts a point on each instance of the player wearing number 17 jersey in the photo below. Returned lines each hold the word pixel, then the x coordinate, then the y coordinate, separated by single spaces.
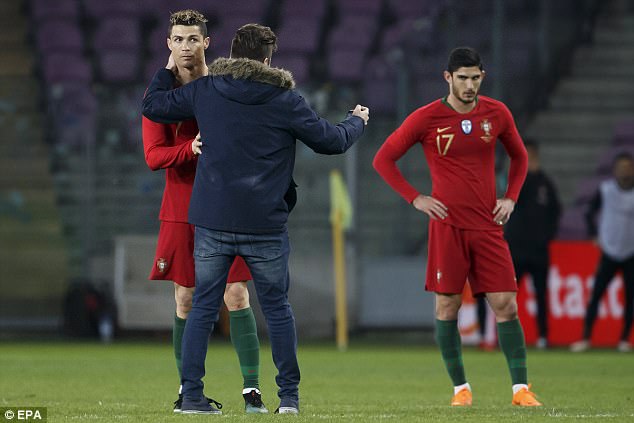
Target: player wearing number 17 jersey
pixel 458 135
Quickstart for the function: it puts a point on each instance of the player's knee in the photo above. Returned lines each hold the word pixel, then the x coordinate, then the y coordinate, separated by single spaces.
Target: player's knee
pixel 447 307
pixel 447 312
pixel 183 302
pixel 506 310
pixel 236 296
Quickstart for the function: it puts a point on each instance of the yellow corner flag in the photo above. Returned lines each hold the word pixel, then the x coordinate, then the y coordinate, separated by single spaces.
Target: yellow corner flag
pixel 340 204
pixel 340 219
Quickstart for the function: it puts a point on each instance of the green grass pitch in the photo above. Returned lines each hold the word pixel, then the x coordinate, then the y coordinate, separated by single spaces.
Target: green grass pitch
pixel 137 382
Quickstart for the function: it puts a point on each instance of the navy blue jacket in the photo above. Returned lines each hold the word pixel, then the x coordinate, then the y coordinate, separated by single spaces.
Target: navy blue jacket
pixel 249 116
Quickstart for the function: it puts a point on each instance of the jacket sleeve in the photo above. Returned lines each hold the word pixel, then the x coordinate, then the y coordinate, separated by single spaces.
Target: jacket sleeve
pixel 514 147
pixel 160 153
pixel 394 147
pixel 322 136
pixel 166 105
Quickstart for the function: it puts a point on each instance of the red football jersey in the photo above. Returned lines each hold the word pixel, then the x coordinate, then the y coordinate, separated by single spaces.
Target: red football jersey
pixel 169 147
pixel 460 152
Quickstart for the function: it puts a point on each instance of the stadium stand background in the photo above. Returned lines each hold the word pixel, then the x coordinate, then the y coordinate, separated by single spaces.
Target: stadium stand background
pixel 73 171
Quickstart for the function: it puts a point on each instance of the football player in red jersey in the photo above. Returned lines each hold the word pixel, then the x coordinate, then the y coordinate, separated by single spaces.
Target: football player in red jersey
pixel 458 134
pixel 175 148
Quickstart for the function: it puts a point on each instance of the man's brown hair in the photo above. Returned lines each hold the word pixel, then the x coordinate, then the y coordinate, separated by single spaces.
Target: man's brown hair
pixel 254 41
pixel 188 17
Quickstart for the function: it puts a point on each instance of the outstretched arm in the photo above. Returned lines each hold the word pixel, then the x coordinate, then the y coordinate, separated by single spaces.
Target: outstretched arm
pixel 166 105
pixel 322 136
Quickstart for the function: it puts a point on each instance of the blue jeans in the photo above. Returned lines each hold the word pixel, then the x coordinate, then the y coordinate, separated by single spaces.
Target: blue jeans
pixel 267 258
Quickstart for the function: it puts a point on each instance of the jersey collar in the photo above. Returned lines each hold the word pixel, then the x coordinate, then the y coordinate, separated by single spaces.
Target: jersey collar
pixel 446 103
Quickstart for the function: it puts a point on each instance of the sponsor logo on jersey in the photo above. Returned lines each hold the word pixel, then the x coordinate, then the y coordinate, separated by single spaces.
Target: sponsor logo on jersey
pixel 161 265
pixel 466 126
pixel 487 127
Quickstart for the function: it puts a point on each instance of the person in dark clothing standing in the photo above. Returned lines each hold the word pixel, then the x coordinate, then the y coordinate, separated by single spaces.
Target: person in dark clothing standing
pixel 534 225
pixel 615 200
pixel 249 116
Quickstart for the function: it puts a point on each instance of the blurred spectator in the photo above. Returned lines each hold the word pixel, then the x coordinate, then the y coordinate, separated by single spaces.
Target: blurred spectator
pixel 615 199
pixel 533 226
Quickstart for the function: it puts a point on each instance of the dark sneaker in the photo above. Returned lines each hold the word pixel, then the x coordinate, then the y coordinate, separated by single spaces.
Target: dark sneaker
pixel 178 404
pixel 253 402
pixel 202 406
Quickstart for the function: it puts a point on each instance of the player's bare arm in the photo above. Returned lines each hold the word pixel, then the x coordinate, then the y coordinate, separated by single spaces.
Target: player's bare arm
pixel 430 206
pixel 502 211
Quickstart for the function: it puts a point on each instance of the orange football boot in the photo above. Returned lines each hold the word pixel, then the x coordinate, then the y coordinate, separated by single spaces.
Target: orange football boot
pixel 462 399
pixel 525 398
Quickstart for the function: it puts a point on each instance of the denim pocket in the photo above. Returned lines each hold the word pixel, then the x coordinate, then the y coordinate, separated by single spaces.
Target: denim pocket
pixel 207 243
pixel 267 246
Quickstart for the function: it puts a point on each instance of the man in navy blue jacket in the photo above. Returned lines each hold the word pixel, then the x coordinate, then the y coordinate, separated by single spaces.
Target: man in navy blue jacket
pixel 249 116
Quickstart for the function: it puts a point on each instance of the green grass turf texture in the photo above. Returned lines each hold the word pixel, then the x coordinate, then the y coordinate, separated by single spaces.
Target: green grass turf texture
pixel 137 382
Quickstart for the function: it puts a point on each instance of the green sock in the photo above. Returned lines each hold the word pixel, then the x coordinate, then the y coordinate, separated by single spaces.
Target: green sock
pixel 177 340
pixel 512 343
pixel 448 339
pixel 244 336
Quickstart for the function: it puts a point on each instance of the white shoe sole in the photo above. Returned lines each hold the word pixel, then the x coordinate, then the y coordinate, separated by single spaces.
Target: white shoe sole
pixel 200 412
pixel 578 347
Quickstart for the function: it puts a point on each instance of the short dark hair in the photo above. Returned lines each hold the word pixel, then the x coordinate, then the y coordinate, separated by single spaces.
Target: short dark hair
pixel 188 17
pixel 463 57
pixel 253 41
pixel 623 155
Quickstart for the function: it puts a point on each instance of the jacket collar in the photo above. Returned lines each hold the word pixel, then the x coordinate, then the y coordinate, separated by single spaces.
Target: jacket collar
pixel 252 70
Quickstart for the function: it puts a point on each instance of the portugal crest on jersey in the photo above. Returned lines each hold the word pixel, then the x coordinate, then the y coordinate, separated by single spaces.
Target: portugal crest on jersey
pixel 161 265
pixel 466 126
pixel 487 127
